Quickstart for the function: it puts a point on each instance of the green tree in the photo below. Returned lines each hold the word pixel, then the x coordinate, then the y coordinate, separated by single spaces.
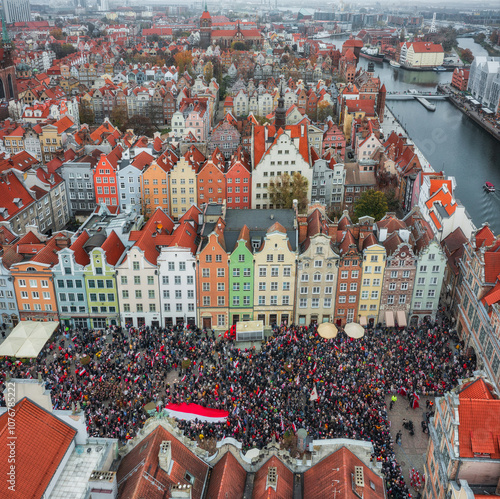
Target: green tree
pixel 141 125
pixel 238 46
pixel 119 117
pixel 208 72
pixel 285 188
pixel 392 201
pixel 372 203
pixel 87 115
pixel 323 111
pixel 57 33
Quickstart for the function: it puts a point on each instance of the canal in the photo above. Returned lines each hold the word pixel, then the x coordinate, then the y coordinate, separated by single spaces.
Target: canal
pixel 448 139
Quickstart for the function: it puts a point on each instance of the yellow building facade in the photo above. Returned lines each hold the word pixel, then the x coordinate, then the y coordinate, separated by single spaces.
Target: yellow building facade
pixel 374 257
pixel 183 191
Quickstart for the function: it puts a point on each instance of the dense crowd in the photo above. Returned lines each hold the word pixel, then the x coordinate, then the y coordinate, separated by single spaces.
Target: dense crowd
pixel 113 374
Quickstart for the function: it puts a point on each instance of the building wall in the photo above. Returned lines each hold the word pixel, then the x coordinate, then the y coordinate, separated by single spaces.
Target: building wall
pixel 79 183
pixel 138 290
pixel 8 305
pixel 213 283
pixel 274 286
pixel 182 176
pixel 106 186
pixel 102 293
pixel 430 268
pixel 372 281
pixel 316 292
pixel 241 283
pixel 35 292
pixel 129 188
pixel 348 284
pixel 154 175
pixel 238 187
pixel 177 269
pixel 211 184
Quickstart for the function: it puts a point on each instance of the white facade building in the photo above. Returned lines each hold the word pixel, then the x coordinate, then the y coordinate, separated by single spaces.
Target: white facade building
pixel 484 80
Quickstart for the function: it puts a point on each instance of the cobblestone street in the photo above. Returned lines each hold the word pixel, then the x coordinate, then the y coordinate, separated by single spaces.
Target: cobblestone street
pixel 411 453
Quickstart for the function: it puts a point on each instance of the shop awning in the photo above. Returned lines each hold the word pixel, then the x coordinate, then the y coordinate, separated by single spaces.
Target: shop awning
pixel 362 320
pixel 389 319
pixel 401 318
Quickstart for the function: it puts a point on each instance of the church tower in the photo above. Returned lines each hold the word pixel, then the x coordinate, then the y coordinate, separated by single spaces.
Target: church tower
pixel 381 103
pixel 205 28
pixel 280 113
pixel 8 83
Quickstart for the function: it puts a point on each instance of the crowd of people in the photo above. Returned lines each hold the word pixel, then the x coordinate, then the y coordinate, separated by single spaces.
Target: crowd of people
pixel 113 374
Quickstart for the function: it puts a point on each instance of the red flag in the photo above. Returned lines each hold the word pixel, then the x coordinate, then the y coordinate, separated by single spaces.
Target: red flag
pixel 82 372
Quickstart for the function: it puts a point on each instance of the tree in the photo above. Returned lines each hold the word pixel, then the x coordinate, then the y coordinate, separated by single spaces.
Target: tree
pixel 285 188
pixel 323 110
pixel 208 72
pixel 118 117
pixel 392 201
pixel 238 46
pixel 57 33
pixel 141 125
pixel 494 37
pixel 62 50
pixel 467 56
pixel 372 203
pixel 183 60
pixel 86 115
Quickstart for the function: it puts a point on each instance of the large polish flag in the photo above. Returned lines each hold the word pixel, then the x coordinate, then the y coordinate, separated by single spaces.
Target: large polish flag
pixel 190 412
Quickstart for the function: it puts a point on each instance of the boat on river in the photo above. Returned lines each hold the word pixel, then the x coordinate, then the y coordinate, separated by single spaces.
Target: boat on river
pixel 372 54
pixel 488 186
pixel 440 68
pixel 394 64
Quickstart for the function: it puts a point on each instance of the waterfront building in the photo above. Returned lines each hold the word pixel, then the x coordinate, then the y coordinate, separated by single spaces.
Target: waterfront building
pixel 484 71
pixel 69 284
pixel 177 271
pixel 374 258
pixel 100 279
pixel 319 260
pixel 421 54
pixel 479 309
pixel 462 445
pixel 460 79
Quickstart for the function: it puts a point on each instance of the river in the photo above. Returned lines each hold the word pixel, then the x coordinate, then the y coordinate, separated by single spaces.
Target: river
pixel 448 139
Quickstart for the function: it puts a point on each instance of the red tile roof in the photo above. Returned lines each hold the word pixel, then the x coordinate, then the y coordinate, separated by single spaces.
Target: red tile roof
pixel 81 256
pixel 136 486
pixel 113 247
pixel 477 389
pixel 42 441
pixel 335 473
pixel 421 47
pixel 227 479
pixel 142 159
pixel 484 236
pixel 284 484
pixel 12 189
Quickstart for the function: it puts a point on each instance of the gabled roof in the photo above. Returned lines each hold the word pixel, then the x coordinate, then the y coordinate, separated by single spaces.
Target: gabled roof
pixel 144 458
pixel 479 417
pixel 142 159
pixel 113 247
pixel 227 479
pixel 284 483
pixel 336 472
pixel 81 256
pixel 41 443
pixel 484 236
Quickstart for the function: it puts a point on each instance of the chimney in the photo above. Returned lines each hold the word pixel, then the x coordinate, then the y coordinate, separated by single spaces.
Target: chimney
pixel 165 456
pixel 62 242
pixel 359 481
pixel 103 485
pixel 272 477
pixel 181 491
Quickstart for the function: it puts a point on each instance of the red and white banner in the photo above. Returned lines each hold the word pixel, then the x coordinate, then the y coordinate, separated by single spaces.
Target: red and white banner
pixel 190 412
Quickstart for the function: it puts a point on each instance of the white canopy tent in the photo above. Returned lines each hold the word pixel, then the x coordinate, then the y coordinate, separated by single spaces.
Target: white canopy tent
pixel 27 339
